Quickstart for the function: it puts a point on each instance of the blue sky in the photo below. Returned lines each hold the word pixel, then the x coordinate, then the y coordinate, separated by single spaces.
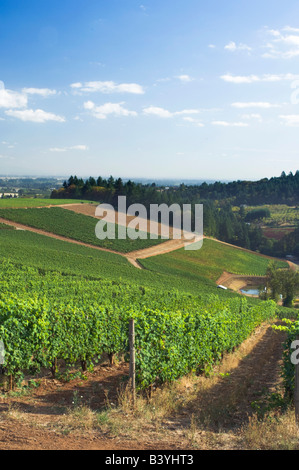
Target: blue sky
pixel 155 89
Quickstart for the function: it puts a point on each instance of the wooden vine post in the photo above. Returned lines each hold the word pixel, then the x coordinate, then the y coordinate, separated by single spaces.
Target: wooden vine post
pixel 132 358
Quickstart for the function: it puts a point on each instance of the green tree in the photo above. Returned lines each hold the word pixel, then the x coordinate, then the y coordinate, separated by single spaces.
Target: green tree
pixel 273 282
pixel 290 287
pixel 282 282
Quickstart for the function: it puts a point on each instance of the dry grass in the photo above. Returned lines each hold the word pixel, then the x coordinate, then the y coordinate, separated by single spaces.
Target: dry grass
pixel 177 412
pixel 79 418
pixel 272 433
pixel 12 413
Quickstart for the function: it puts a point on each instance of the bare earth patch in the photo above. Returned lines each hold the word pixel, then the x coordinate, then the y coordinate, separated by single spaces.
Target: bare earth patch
pixel 237 282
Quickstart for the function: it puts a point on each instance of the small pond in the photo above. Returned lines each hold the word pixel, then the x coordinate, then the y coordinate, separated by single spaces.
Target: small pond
pixel 250 291
pixel 253 290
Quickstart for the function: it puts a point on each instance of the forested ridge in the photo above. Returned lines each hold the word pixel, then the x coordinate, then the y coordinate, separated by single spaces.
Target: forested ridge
pixel 283 189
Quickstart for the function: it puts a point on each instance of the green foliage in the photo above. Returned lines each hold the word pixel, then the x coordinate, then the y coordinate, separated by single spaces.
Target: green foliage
pixel 280 214
pixel 72 225
pixel 46 318
pixel 35 202
pixel 257 214
pixel 170 345
pixel 291 327
pixel 210 261
pixel 281 282
pixel 269 403
pixel 180 271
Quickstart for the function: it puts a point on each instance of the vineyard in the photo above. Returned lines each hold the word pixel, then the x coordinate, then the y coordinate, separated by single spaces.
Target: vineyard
pixel 65 308
pixel 193 273
pixel 211 261
pixel 48 318
pixel 75 226
pixel 280 214
pixel 49 254
pixel 18 203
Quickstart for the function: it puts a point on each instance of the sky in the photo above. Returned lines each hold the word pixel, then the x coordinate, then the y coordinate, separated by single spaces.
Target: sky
pixel 181 89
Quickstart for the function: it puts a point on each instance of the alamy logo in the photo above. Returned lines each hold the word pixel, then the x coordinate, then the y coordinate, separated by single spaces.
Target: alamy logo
pixel 295 354
pixel 167 222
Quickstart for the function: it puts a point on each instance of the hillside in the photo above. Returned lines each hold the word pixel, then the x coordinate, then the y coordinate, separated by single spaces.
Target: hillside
pixel 210 261
pixel 48 285
pixel 69 224
pixel 179 268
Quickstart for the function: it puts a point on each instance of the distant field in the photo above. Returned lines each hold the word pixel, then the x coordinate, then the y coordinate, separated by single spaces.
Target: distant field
pixel 210 262
pixel 35 202
pixel 277 233
pixel 72 225
pixel 282 221
pixel 280 214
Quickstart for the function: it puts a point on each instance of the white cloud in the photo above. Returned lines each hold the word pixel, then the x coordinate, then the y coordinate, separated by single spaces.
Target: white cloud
pixel 37 115
pixel 233 47
pixel 76 85
pixel 164 113
pixel 89 105
pixel 186 111
pixel 189 119
pixel 229 124
pixel 290 120
pixel 284 43
pixel 185 78
pixel 261 104
pixel 17 102
pixel 107 87
pixel 79 147
pixel 39 91
pixel 194 121
pixel 101 112
pixel 254 116
pixel 8 144
pixel 280 43
pixel 239 79
pixel 290 28
pixel 156 111
pixel 58 149
pixel 65 149
pixel 11 99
